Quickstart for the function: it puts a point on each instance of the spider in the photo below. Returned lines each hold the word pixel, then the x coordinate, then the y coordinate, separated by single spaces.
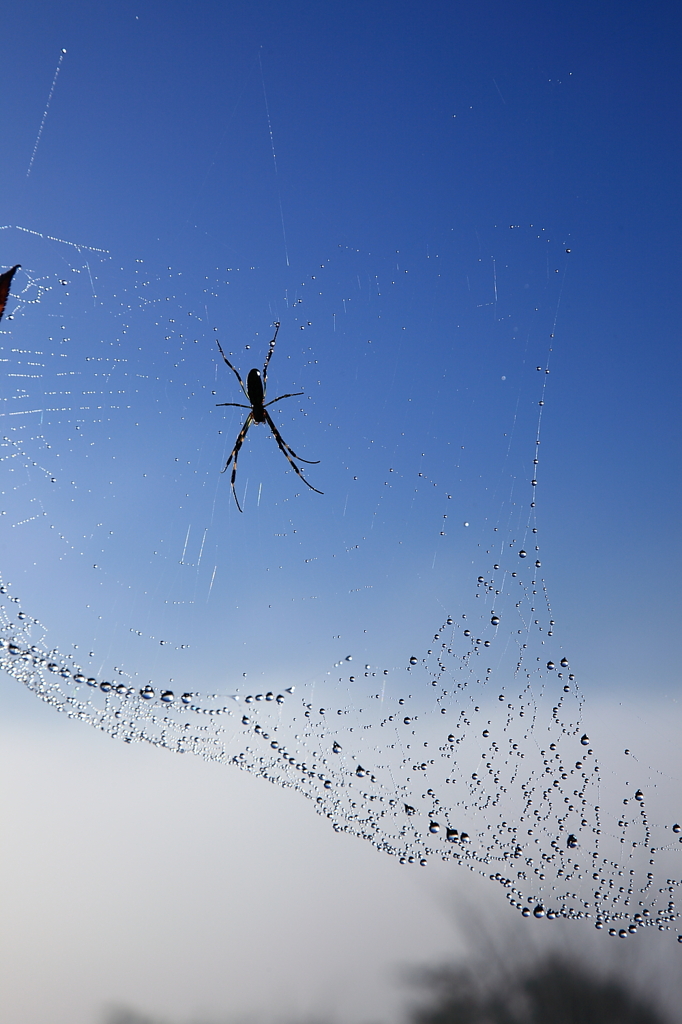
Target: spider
pixel 255 392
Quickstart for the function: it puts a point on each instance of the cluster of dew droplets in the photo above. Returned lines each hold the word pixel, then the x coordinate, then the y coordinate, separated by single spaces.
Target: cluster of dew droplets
pixel 438 759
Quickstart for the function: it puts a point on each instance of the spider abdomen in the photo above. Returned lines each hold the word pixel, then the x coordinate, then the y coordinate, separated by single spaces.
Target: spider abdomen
pixel 254 388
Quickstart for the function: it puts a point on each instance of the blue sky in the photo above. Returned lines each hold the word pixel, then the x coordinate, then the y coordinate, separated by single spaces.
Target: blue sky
pixel 434 200
pixel 563 118
pixel 156 142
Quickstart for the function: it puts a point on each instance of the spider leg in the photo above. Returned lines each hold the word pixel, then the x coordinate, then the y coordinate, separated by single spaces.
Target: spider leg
pixel 285 450
pixel 236 372
pixel 234 455
pixel 240 405
pixel 269 355
pixel 293 395
pixel 310 462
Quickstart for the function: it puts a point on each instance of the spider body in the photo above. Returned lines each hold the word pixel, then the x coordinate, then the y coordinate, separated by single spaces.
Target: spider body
pixel 254 390
pixel 256 394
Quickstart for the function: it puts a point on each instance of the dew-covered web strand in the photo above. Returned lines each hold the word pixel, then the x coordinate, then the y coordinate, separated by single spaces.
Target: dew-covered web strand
pixel 45 112
pixel 78 246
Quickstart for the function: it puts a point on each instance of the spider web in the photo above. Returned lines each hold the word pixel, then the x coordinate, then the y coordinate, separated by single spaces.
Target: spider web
pixel 387 649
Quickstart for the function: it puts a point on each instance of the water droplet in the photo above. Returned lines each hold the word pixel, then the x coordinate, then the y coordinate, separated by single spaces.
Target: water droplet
pixel 495 620
pixel 677 829
pixel 564 663
pixel 413 660
pixel 434 827
pixel 585 740
pixel 550 665
pixel 571 842
pixel 539 911
pixel 522 553
pixel 167 696
pixel 639 795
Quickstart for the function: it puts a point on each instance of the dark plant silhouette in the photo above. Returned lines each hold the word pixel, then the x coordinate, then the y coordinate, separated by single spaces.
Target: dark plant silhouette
pixel 554 991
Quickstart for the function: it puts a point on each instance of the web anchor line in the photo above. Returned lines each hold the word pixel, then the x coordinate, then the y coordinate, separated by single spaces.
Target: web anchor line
pixel 274 159
pixel 47 107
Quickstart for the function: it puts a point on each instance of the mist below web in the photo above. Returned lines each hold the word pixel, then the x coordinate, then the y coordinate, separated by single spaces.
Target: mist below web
pixel 205 888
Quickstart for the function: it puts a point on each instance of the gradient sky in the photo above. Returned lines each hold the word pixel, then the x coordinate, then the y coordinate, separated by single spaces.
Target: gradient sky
pixel 402 135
